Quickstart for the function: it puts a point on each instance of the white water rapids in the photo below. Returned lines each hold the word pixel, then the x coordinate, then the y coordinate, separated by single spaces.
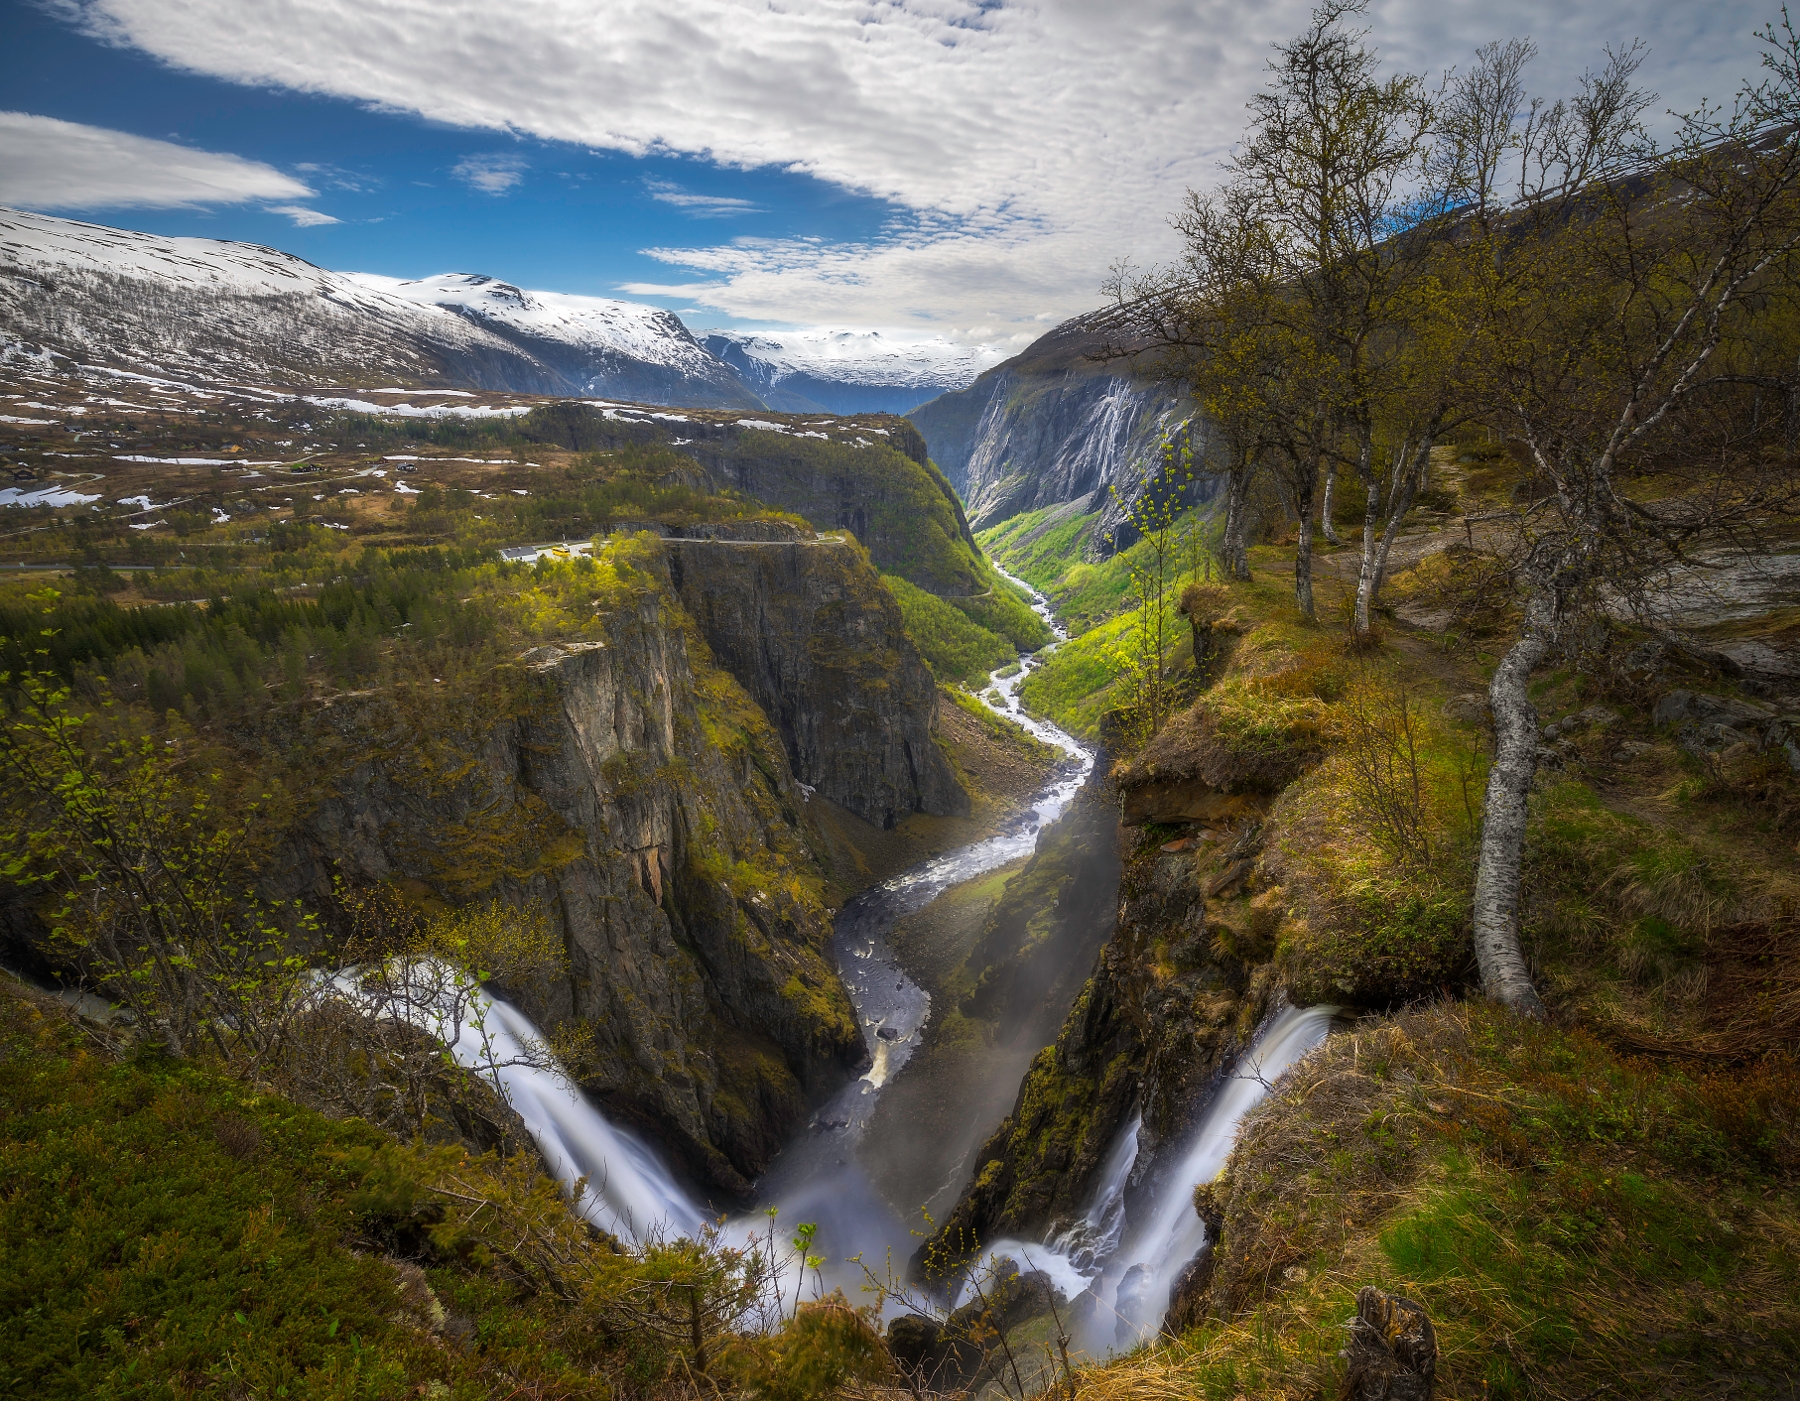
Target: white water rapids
pixel 1128 1264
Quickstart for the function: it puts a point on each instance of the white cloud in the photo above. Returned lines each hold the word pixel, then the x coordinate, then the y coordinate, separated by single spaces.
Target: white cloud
pixel 700 206
pixel 492 175
pixel 302 216
pixel 1031 142
pixel 50 164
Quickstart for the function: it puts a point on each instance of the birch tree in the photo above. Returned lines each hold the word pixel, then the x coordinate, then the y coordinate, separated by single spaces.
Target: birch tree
pixel 1619 332
pixel 1281 313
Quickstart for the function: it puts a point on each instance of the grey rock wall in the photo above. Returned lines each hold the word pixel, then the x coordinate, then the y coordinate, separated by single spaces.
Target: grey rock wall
pixel 1054 425
pixel 809 632
pixel 635 793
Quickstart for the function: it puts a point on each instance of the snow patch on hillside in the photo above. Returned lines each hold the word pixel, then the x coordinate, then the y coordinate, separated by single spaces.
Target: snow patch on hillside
pixel 860 357
pixel 216 311
pixel 641 332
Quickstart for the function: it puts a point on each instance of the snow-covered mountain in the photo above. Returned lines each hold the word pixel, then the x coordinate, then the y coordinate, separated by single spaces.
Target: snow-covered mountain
pixel 603 347
pixel 205 309
pixel 847 371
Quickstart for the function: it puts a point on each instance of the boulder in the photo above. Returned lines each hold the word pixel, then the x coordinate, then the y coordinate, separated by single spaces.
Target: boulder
pixel 1683 708
pixel 1707 724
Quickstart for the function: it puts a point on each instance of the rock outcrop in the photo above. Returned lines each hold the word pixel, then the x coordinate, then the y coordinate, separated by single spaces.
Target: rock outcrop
pixel 1708 724
pixel 1176 995
pixel 806 628
pixel 1052 425
pixel 870 476
pixel 631 789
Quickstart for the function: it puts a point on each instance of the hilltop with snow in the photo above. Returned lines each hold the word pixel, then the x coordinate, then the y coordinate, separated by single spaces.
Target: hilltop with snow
pixel 848 371
pixel 212 311
pixel 603 347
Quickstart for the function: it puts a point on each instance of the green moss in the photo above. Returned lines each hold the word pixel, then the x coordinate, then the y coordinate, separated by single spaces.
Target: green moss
pixel 168 1231
pixel 1389 939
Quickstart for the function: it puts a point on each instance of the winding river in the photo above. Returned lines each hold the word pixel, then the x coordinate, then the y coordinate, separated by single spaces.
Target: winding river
pixel 1126 1265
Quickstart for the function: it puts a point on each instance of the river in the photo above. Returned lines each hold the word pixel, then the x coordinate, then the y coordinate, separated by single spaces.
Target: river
pixel 820 1177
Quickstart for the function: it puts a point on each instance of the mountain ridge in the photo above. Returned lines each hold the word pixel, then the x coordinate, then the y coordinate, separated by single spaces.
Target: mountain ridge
pixel 230 313
pixel 847 371
pixel 1058 423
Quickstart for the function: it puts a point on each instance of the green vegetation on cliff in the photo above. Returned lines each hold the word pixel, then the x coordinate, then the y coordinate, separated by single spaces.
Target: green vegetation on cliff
pixel 966 638
pixel 1096 600
pixel 558 735
pixel 171 1231
pixel 1605 1201
pixel 314 617
pixel 1572 1220
pixel 901 508
pixel 957 647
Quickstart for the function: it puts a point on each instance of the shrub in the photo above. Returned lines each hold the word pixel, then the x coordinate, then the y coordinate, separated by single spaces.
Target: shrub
pixel 953 645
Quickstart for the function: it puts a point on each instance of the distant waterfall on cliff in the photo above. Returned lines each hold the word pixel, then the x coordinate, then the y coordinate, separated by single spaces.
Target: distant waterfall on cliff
pixel 1129 1265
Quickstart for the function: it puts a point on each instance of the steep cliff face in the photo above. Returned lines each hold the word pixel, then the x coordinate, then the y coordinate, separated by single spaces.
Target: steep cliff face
pixel 869 475
pixel 807 629
pixel 1175 996
pixel 1052 425
pixel 631 789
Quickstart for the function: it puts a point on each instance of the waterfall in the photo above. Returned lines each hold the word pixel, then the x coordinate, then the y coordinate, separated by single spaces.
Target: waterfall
pixel 1118 1263
pixel 1128 1268
pixel 629 1192
pixel 1094 1239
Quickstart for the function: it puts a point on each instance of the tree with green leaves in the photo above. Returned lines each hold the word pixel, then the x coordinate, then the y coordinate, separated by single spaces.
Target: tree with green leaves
pixel 145 859
pixel 1161 518
pixel 1281 313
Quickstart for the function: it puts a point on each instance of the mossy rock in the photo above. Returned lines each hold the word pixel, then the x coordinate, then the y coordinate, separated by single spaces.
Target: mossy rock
pixel 1385 944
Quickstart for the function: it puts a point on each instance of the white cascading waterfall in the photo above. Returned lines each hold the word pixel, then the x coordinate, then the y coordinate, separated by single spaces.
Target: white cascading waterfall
pixel 1129 1266
pixel 628 1190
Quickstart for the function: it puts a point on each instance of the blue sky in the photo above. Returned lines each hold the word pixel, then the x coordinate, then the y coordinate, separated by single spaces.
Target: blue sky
pixel 965 168
pixel 564 217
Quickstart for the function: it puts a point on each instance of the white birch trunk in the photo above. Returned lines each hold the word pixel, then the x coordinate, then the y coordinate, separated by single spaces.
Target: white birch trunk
pixel 1365 575
pixel 1403 491
pixel 1504 975
pixel 1303 486
pixel 1237 552
pixel 1408 493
